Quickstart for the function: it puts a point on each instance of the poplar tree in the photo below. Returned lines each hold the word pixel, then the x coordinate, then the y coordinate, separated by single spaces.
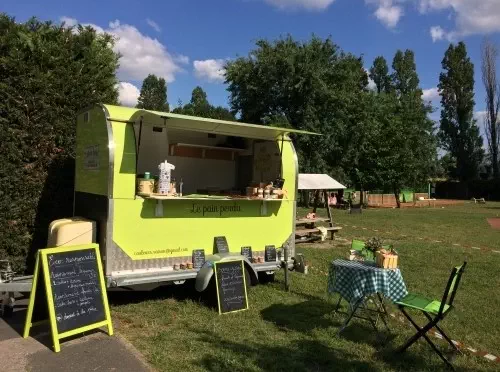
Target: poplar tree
pixel 458 131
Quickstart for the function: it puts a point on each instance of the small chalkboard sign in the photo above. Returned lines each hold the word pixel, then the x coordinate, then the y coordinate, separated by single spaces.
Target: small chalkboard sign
pixel 270 253
pixel 231 286
pixel 246 252
pixel 198 258
pixel 74 290
pixel 220 245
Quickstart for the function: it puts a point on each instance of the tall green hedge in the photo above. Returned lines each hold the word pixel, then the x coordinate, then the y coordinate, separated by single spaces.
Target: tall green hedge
pixel 47 74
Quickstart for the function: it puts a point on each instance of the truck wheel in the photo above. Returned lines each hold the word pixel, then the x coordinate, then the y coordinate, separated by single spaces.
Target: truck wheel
pixel 265 278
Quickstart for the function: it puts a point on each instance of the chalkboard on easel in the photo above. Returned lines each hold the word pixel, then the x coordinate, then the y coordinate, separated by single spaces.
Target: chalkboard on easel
pixel 220 245
pixel 198 258
pixel 69 283
pixel 247 252
pixel 231 286
pixel 270 253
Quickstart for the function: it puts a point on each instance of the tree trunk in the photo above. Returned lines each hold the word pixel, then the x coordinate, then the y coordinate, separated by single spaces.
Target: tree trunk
pixel 396 195
pixel 361 198
pixel 316 200
pixel 494 148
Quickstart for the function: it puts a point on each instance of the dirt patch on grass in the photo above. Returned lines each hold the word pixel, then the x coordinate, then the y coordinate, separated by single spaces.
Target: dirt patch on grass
pixel 494 223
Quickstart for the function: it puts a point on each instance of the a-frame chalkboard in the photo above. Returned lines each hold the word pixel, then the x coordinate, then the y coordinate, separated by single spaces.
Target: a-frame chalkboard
pixel 231 286
pixel 68 282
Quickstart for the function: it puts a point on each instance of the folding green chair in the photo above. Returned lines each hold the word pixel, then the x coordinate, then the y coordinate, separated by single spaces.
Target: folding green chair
pixel 359 245
pixel 434 311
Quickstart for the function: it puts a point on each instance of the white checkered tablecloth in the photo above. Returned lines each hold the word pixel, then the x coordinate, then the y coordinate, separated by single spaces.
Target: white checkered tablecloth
pixel 355 280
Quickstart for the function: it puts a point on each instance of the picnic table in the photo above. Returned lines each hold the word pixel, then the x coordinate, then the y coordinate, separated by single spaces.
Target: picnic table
pixel 362 282
pixel 311 232
pixel 307 221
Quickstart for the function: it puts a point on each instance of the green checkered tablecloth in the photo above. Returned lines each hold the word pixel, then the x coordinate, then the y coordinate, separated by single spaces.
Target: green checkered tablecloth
pixel 354 280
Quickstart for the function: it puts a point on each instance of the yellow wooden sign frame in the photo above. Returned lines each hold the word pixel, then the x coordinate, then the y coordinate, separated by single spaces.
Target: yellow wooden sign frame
pixel 217 285
pixel 42 265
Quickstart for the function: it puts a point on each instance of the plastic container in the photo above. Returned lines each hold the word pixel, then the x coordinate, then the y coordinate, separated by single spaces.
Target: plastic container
pixel 71 231
pixel 164 178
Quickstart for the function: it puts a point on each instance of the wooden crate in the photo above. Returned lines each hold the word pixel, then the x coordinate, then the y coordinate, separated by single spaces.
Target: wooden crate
pixel 386 259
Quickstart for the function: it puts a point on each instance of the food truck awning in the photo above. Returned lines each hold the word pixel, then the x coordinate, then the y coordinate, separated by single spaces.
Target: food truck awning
pixel 222 127
pixel 309 181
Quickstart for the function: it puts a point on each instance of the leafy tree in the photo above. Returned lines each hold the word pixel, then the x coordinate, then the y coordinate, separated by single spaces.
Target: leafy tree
pixel 447 167
pixel 407 154
pixel 153 94
pixel 489 55
pixel 379 73
pixel 309 85
pixel 199 106
pixel 458 132
pixel 47 74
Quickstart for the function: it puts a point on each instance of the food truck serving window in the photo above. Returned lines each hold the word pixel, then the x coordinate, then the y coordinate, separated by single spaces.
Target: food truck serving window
pixel 207 163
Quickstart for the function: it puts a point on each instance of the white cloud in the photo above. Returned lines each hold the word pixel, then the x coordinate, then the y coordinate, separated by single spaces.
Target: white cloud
pixel 68 21
pixel 140 54
pixel 371 84
pixel 128 94
pixel 153 25
pixel 471 16
pixel 431 94
pixel 480 116
pixel 388 13
pixel 300 4
pixel 182 59
pixel 437 33
pixel 210 69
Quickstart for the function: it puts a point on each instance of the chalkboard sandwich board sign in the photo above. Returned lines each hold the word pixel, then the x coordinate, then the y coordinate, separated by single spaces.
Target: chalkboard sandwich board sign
pixel 247 252
pixel 74 291
pixel 231 286
pixel 220 245
pixel 270 253
pixel 198 258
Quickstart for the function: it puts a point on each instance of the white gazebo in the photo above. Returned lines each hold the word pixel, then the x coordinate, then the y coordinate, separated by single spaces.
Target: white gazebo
pixel 325 183
pixel 312 181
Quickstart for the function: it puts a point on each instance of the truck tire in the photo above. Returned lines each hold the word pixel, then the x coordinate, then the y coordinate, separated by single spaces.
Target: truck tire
pixel 265 278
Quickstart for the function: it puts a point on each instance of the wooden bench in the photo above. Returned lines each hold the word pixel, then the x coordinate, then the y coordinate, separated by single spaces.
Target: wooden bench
pixel 307 232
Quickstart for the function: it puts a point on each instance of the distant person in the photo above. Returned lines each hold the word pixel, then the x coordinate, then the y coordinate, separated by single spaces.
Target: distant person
pixel 332 200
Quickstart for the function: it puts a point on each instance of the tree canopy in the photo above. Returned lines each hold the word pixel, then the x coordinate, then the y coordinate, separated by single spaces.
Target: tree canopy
pixel 458 131
pixel 47 74
pixel 199 106
pixel 153 94
pixel 309 85
pixel 368 139
pixel 379 73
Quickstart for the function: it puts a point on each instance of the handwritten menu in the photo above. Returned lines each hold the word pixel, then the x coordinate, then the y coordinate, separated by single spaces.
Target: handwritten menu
pixel 246 252
pixel 76 289
pixel 231 289
pixel 220 245
pixel 270 253
pixel 198 258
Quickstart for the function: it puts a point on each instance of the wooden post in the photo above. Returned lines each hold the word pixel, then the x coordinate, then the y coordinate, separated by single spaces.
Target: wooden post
pixel 328 209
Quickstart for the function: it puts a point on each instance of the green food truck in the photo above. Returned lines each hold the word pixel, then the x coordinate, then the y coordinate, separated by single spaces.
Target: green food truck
pixel 230 194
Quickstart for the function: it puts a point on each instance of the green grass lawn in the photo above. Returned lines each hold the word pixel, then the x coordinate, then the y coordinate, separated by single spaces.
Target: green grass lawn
pixel 296 330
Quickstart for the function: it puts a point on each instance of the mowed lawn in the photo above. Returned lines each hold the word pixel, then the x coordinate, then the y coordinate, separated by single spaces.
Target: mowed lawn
pixel 296 330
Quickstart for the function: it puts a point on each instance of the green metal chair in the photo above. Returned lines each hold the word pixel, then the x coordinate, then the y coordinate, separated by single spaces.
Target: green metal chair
pixel 434 311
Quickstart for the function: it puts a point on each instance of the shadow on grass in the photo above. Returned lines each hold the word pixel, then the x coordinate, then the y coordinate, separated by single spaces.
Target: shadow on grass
pixel 180 292
pixel 298 355
pixel 301 317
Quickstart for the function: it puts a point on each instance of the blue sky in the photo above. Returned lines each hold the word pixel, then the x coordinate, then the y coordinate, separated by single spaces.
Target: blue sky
pixel 187 41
